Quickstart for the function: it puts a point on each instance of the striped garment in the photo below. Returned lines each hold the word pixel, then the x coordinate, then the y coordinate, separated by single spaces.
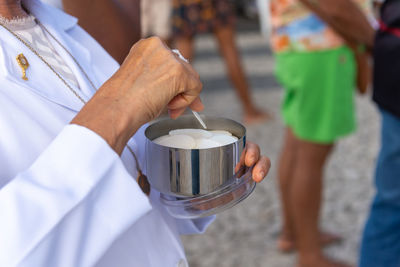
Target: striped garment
pixel 31 32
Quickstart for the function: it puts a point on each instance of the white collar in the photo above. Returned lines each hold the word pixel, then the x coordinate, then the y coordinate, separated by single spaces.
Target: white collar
pixel 58 23
pixel 50 15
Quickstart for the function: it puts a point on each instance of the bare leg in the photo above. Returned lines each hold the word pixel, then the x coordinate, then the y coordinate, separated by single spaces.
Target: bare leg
pixel 305 202
pixel 185 46
pixel 226 41
pixel 286 241
pixel 306 196
pixel 285 174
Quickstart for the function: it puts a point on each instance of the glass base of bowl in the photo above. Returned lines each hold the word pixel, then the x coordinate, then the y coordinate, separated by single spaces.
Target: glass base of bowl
pixel 236 190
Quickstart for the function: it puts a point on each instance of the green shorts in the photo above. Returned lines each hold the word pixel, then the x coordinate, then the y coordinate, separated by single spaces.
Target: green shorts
pixel 319 93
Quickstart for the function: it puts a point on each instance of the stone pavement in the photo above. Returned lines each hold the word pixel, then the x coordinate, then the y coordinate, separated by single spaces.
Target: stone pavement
pixel 245 235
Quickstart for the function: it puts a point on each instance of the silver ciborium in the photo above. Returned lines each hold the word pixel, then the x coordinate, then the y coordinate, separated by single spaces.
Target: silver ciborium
pixel 197 182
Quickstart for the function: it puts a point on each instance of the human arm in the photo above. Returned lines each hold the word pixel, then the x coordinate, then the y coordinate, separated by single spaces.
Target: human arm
pixel 151 78
pixel 251 155
pixel 72 199
pixel 69 206
pixel 115 24
pixel 346 18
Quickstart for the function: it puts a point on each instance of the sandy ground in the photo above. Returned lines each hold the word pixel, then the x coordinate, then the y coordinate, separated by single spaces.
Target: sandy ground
pixel 245 236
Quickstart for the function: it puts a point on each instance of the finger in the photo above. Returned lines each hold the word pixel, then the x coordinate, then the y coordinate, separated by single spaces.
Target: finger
pixel 197 105
pixel 175 113
pixel 241 161
pixel 178 102
pixel 252 154
pixel 188 97
pixel 261 169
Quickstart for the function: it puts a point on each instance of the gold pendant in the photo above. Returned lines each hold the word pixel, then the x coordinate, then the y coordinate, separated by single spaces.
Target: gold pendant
pixel 143 183
pixel 24 64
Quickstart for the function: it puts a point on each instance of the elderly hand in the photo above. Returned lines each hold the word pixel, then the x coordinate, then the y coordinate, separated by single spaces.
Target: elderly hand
pixel 160 78
pixel 151 78
pixel 251 157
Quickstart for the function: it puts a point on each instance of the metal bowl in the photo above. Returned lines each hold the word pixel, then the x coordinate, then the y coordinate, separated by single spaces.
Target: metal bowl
pixel 192 172
pixel 205 205
pixel 197 182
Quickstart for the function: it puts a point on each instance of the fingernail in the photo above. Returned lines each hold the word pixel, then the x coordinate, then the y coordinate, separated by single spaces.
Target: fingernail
pixel 262 174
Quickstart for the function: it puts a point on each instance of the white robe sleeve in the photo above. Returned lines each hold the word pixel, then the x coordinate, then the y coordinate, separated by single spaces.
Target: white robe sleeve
pixel 69 206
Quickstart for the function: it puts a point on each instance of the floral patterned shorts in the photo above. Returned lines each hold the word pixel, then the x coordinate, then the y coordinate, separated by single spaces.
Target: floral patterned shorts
pixel 198 16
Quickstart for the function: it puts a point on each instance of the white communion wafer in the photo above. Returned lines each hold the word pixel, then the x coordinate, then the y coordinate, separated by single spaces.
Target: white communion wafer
pixel 218 132
pixel 196 138
pixel 224 139
pixel 177 141
pixel 195 133
pixel 160 139
pixel 203 143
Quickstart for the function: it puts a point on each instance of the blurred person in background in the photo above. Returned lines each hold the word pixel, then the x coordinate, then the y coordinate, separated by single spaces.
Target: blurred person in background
pixel 216 16
pixel 156 19
pixel 316 44
pixel 115 24
pixel 381 239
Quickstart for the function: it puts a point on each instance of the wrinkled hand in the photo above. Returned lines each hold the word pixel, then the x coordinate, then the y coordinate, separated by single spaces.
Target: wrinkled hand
pixel 159 78
pixel 251 156
pixel 150 79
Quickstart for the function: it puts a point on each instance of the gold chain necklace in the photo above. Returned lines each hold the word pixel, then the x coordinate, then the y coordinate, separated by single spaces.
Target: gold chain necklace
pixel 142 179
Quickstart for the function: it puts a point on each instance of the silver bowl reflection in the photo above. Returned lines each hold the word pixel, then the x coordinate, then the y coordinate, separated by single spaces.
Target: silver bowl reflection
pixel 192 172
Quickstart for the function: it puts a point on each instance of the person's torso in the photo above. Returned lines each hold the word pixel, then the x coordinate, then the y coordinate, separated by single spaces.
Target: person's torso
pixel 296 29
pixel 387 59
pixel 33 112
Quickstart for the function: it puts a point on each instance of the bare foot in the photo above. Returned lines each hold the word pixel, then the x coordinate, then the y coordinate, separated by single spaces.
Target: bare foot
pixel 287 245
pixel 255 115
pixel 321 261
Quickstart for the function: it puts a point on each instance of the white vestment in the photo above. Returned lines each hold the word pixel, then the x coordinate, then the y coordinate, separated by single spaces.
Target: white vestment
pixel 66 198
